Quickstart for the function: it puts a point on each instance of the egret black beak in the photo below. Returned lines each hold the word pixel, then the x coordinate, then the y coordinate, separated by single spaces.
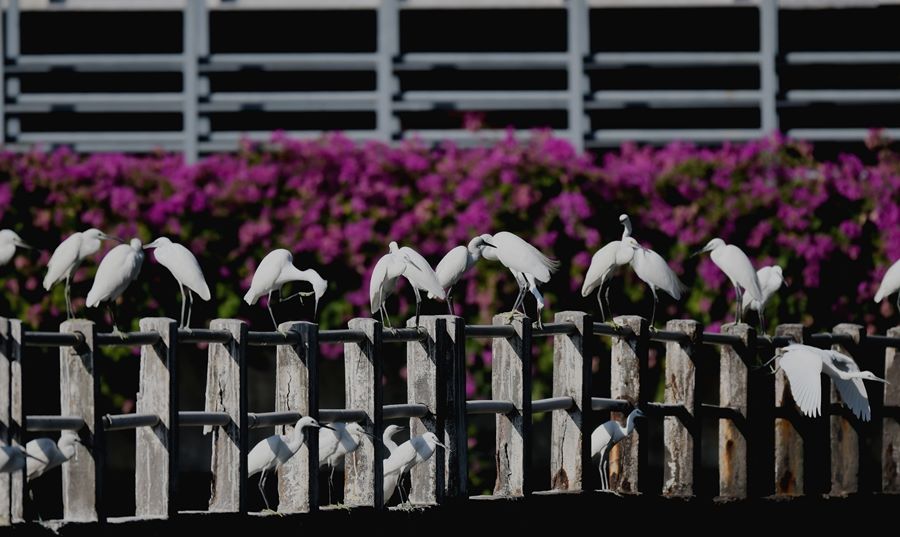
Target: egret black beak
pixel 486 243
pixel 25 245
pixel 325 426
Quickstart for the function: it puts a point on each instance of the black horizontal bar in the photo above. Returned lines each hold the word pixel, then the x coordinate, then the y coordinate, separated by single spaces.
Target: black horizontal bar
pixel 663 409
pixel 128 421
pixel 606 329
pixel 720 412
pixel 489 406
pixel 884 341
pixel 551 329
pixel 271 339
pixel 203 335
pixel 666 335
pixel 127 339
pixel 53 339
pixel 346 415
pixel 258 420
pixel 826 339
pixel 618 405
pixel 411 410
pixel 716 338
pixel 776 341
pixel 403 334
pixel 53 423
pixel 199 418
pixel 552 403
pixel 345 336
pixel 490 330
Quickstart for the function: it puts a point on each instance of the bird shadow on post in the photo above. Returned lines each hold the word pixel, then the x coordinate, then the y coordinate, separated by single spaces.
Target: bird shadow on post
pixel 297 390
pixel 79 393
pixel 226 391
pixel 890 434
pixel 363 474
pixel 511 381
pixel 156 448
pixel 426 365
pixel 570 451
pixel 682 434
pixel 629 359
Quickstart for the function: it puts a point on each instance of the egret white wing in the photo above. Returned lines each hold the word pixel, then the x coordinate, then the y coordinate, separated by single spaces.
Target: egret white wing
pixel 803 367
pixel 853 391
pixel 419 273
pixel 602 264
pixel 601 438
pixel 653 269
pixel 452 266
pixel 328 443
pixel 383 280
pixel 62 260
pixel 42 455
pixel 116 271
pixel 890 283
pixel 735 263
pixel 516 253
pixel 184 266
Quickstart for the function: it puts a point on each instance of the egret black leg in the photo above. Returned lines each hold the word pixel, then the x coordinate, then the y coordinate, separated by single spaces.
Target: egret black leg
pixel 600 301
pixel 271 314
pixel 262 489
pixel 608 307
pixel 190 307
pixel 418 303
pixel 69 313
pixel 655 302
pixel 450 300
pixel 183 303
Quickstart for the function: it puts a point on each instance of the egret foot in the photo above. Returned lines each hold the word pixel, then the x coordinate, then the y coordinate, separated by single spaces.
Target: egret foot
pixel 118 333
pixel 512 315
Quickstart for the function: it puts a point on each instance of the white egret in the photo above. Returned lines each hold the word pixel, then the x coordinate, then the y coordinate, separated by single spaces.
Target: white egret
pixel 736 265
pixel 770 281
pixel 490 253
pixel 273 272
pixel 117 270
pixel 44 454
pixel 12 459
pixel 186 270
pixel 605 437
pixel 270 453
pixel 68 257
pixel 518 255
pixel 803 366
pixel 9 241
pixel 387 437
pixel 890 284
pixel 655 272
pixel 411 265
pixel 408 454
pixel 336 443
pixel 457 262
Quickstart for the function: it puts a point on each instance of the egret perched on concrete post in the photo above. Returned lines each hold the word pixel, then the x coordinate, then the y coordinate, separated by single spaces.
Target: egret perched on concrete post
pixel 186 270
pixel 416 450
pixel 804 365
pixel 518 255
pixel 654 271
pixel 336 442
pixel 890 284
pixel 44 454
pixel 770 281
pixel 457 262
pixel 605 437
pixel 411 265
pixel 737 266
pixel 270 453
pixel 68 257
pixel 273 272
pixel 9 241
pixel 117 270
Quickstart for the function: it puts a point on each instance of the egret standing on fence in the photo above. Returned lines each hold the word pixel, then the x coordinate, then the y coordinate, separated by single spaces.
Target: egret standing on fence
pixel 273 272
pixel 518 255
pixel 117 270
pixel 335 443
pixel 416 450
pixel 387 437
pixel 9 241
pixel 736 265
pixel 186 270
pixel 890 284
pixel 411 265
pixel 804 365
pixel 44 454
pixel 770 281
pixel 655 272
pixel 605 437
pixel 68 257
pixel 457 262
pixel 270 453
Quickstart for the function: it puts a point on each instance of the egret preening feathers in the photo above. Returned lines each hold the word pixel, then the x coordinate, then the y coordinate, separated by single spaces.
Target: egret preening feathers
pixel 605 437
pixel 411 265
pixel 408 454
pixel 186 270
pixel 736 265
pixel 803 366
pixel 68 257
pixel 273 272
pixel 9 241
pixel 270 453
pixel 890 284
pixel 770 281
pixel 457 262
pixel 654 271
pixel 117 270
pixel 519 256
